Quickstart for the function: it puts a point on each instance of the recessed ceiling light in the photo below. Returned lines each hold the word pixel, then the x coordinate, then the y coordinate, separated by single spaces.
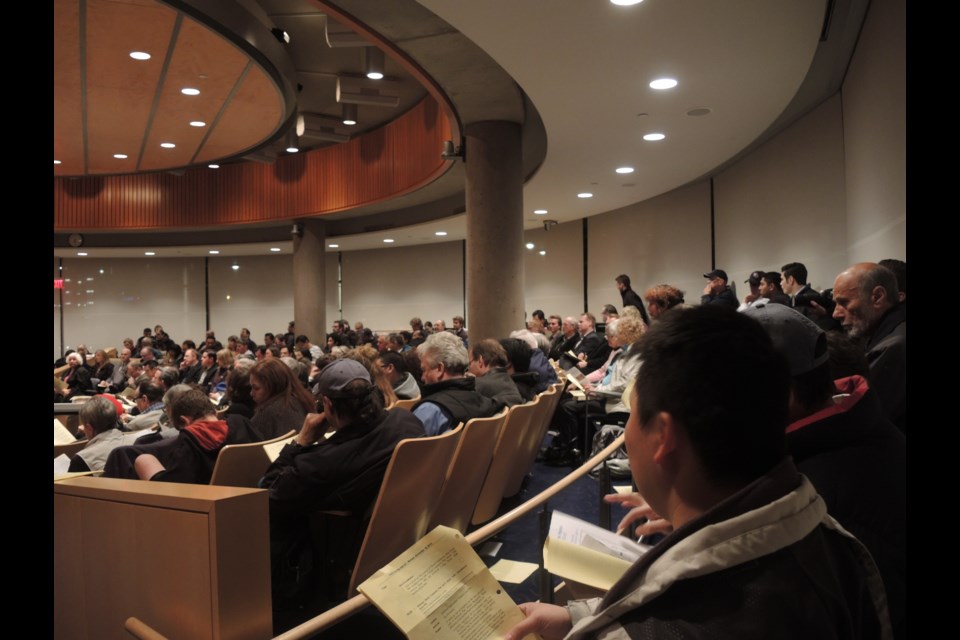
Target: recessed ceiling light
pixel 349 122
pixel 663 83
pixel 375 75
pixel 167 145
pixel 334 246
pixel 440 233
pixel 540 212
pixel 275 249
pixel 149 253
pixel 698 111
pixel 197 123
pixel 653 137
pixel 56 162
pixel 213 252
pixel 139 55
pixel 624 169
pixel 626 3
pixel 120 156
pixel 292 150
pixel 585 194
pixel 190 91
pixel 543 252
pixel 530 245
pixel 81 253
pixel 214 166
pixel 388 240
pixel 235 267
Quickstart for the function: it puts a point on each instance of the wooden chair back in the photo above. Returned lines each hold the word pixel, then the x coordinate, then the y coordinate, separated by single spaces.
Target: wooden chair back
pixel 505 458
pixel 532 440
pixel 242 465
pixel 71 448
pixel 467 471
pixel 405 404
pixel 408 495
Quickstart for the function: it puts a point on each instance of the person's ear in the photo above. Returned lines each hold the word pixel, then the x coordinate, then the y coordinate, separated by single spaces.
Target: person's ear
pixel 666 433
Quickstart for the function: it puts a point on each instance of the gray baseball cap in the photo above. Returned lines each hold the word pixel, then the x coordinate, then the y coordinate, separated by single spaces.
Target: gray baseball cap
pixel 338 374
pixel 802 342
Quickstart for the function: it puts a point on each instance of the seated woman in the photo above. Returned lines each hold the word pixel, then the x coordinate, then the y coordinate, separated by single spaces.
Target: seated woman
pixel 370 359
pixel 77 378
pixel 102 367
pixel 281 401
pixel 224 366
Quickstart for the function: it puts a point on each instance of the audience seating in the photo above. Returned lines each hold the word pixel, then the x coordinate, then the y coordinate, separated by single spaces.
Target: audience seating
pixel 466 472
pixel 405 404
pixel 520 421
pixel 70 449
pixel 408 496
pixel 242 465
pixel 530 446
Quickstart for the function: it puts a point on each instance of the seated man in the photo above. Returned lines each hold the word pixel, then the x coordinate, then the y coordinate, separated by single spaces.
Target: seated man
pixel 448 397
pixel 149 400
pixel 753 553
pixel 488 363
pixel 98 419
pixel 342 472
pixel 403 382
pixel 191 456
pixel 718 291
pixel 838 437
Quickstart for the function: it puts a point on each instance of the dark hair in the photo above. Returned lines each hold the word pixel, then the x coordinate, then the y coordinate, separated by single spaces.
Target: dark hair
pixel 301 339
pixel 238 387
pixel 773 277
pixel 395 359
pixel 153 391
pixel 609 309
pixel 280 382
pixel 624 279
pixel 190 344
pixel 193 405
pixel 268 335
pixel 538 313
pixel 274 350
pixel 493 354
pixel 796 270
pixel 518 353
pixel 718 374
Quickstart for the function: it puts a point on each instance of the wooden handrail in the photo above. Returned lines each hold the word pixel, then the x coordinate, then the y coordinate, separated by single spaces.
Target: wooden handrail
pixel 141 630
pixel 355 604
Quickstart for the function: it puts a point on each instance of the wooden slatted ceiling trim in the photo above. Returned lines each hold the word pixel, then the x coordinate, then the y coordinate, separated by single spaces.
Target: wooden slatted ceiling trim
pixel 382 164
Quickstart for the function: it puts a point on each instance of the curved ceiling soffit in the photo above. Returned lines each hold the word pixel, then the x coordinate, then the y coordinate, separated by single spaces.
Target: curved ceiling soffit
pixel 235 23
pixel 450 65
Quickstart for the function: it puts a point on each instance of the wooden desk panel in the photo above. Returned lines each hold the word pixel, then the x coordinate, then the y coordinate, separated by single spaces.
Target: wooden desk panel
pixel 190 560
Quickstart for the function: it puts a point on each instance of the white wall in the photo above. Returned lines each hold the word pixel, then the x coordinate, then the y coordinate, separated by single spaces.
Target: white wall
pixel 257 295
pixel 662 240
pixel 785 202
pixel 554 282
pixel 874 122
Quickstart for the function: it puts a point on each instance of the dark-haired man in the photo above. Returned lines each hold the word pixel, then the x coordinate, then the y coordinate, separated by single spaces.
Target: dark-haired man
pixel 630 297
pixel 395 368
pixel 805 298
pixel 753 552
pixel 488 363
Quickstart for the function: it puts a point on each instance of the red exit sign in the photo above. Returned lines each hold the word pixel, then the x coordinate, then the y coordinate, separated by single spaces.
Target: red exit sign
pixel 58 283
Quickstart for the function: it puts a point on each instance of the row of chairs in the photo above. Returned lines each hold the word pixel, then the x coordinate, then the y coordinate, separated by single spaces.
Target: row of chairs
pixel 453 479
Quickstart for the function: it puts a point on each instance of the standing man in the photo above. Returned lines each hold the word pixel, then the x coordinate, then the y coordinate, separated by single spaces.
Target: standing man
pixel 630 297
pixel 805 298
pixel 869 308
pixel 459 331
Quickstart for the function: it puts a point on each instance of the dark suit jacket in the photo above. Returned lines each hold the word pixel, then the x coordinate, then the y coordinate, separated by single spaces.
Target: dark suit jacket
pixel 191 375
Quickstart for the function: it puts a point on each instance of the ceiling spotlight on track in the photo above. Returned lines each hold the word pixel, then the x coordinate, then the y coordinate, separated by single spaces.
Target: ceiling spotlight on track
pixel 373 63
pixel 349 112
pixel 293 146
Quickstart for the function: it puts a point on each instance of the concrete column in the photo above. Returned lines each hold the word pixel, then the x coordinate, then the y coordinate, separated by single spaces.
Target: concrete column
pixel 494 198
pixel 309 281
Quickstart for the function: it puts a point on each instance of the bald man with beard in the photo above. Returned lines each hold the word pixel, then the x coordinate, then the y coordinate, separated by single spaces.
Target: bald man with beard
pixel 869 309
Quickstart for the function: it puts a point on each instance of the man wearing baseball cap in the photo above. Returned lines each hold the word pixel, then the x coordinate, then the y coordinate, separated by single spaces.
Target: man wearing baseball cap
pixel 340 472
pixel 718 291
